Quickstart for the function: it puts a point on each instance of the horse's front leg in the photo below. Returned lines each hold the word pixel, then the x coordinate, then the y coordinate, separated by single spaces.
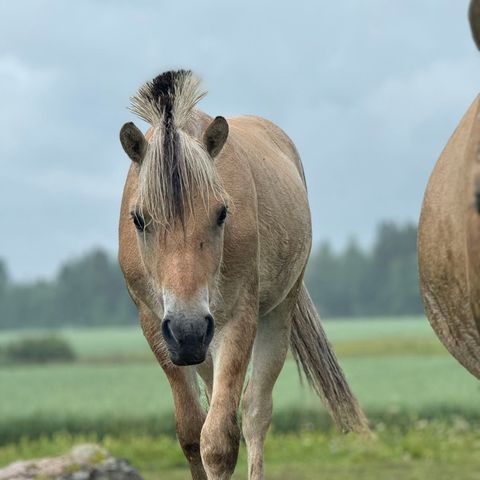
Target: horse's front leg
pixel 189 414
pixel 220 438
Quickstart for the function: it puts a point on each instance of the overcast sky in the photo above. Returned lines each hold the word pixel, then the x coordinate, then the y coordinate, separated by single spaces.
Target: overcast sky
pixel 370 91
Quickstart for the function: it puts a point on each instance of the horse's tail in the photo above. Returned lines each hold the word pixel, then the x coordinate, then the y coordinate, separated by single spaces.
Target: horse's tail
pixel 314 354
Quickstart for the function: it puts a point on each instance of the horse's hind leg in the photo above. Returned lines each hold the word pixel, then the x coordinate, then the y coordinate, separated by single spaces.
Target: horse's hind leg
pixel 205 370
pixel 269 352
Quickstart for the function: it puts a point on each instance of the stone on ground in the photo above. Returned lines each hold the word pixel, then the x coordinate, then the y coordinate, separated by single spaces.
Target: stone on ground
pixel 84 462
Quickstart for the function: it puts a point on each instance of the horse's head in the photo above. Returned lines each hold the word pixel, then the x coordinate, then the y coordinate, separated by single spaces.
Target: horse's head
pixel 178 211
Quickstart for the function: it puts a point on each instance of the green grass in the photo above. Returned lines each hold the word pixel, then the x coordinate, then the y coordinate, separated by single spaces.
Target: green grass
pixel 380 327
pixel 128 342
pixel 95 343
pixel 141 390
pixel 396 379
pixel 427 450
pixel 423 404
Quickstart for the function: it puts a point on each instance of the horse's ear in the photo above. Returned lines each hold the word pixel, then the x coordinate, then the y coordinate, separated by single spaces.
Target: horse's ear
pixel 133 142
pixel 215 136
pixel 474 17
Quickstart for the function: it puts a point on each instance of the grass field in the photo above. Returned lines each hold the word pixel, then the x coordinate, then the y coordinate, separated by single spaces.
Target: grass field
pixel 422 403
pixel 427 450
pixel 350 337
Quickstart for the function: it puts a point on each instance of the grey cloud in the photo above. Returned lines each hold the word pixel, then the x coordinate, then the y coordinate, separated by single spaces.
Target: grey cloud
pixel 370 91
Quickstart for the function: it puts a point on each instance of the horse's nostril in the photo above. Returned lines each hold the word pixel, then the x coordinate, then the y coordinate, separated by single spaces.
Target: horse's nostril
pixel 210 329
pixel 167 331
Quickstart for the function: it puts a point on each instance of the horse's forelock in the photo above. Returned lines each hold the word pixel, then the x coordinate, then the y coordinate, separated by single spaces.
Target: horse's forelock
pixel 177 170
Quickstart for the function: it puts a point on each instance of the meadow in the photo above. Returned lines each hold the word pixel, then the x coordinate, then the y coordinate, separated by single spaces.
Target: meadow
pixel 422 404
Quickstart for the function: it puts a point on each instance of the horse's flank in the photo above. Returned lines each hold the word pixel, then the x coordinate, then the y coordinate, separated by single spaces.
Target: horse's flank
pixel 448 244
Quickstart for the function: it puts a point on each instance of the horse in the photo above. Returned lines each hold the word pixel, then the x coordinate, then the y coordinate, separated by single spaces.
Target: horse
pixel 214 237
pixel 449 236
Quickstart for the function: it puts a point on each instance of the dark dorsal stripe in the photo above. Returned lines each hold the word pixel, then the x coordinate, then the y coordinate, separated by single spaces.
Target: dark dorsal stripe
pixel 162 91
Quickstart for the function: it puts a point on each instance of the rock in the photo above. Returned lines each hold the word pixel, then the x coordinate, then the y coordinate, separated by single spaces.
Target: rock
pixel 84 462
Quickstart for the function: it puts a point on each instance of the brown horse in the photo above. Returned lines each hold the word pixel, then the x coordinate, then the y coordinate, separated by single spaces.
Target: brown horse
pixel 214 238
pixel 449 237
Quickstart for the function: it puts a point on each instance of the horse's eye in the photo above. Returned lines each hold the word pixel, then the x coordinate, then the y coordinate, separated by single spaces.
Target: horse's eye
pixel 138 221
pixel 222 215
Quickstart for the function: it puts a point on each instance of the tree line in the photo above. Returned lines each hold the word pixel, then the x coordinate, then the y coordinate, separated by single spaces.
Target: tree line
pixel 381 280
pixel 90 290
pixel 87 291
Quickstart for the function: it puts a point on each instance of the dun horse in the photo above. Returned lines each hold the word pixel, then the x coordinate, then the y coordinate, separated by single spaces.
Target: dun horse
pixel 449 237
pixel 214 238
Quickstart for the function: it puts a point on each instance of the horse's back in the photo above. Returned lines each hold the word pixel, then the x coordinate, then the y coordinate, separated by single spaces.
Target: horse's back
pixel 271 135
pixel 447 257
pixel 284 225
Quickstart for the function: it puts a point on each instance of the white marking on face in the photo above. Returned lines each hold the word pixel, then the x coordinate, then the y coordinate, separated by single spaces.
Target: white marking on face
pixel 198 303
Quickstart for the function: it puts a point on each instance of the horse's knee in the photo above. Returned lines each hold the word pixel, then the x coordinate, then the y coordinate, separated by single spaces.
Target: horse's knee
pixel 191 450
pixel 188 434
pixel 219 445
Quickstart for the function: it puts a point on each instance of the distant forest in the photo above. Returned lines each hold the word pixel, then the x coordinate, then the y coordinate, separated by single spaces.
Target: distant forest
pixel 90 290
pixel 356 282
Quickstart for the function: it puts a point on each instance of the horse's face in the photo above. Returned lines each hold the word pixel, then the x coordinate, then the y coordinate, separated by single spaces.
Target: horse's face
pixel 181 263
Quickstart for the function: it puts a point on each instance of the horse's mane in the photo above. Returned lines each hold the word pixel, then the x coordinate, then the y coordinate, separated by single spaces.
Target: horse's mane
pixel 177 170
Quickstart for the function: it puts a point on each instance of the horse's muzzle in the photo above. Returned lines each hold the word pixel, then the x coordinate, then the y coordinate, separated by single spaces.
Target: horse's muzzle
pixel 187 339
